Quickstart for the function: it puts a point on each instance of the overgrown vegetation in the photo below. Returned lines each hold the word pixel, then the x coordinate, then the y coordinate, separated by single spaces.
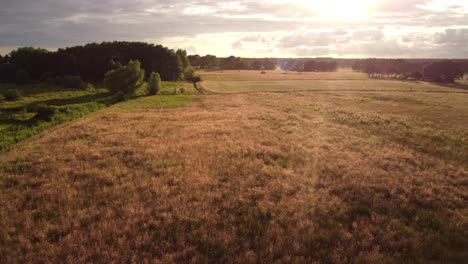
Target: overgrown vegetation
pixel 125 79
pixel 12 95
pixel 154 83
pixel 43 106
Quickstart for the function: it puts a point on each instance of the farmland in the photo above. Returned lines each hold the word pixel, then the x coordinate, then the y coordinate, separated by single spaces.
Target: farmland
pixel 274 167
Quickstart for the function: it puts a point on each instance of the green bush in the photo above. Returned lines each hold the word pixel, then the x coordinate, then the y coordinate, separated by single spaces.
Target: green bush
pixel 44 112
pixel 22 77
pixel 12 95
pixel 121 96
pixel 189 73
pixel 154 83
pixel 125 79
pixel 196 79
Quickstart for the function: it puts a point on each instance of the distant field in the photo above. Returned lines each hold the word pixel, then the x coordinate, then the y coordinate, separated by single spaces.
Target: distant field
pixel 250 75
pixel 344 80
pixel 268 171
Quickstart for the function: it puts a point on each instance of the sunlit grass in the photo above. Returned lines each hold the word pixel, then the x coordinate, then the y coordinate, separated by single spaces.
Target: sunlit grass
pixel 295 177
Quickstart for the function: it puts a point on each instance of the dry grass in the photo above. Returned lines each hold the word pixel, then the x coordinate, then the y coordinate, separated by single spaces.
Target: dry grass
pixel 275 75
pixel 330 177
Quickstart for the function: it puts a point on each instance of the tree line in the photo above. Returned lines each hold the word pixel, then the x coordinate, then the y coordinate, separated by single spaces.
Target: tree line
pixel 92 61
pixel 211 62
pixel 435 70
pixel 316 66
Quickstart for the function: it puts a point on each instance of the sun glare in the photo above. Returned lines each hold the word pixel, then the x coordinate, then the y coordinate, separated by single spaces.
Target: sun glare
pixel 342 9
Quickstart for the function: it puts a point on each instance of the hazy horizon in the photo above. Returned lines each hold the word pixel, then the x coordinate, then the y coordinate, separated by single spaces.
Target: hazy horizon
pixel 299 28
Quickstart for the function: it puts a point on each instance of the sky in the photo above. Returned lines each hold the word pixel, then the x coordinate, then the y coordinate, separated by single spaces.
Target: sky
pixel 246 28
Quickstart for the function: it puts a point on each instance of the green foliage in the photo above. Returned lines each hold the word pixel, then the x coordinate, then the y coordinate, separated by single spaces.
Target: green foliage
pixel 125 79
pixel 154 83
pixel 121 96
pixel 182 54
pixel 43 112
pixel 12 95
pixel 24 118
pixel 196 79
pixel 155 102
pixel 189 73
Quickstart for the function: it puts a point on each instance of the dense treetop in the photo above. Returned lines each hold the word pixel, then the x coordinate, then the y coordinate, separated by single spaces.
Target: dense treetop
pixel 92 61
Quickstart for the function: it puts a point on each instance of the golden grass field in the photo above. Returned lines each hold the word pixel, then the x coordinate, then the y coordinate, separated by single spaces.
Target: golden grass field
pixel 256 171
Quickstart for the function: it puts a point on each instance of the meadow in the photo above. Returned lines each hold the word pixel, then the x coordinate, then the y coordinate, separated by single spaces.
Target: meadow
pixel 262 168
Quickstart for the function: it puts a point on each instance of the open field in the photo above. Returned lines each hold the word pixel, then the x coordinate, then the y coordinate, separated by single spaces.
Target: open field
pixel 273 75
pixel 254 81
pixel 248 175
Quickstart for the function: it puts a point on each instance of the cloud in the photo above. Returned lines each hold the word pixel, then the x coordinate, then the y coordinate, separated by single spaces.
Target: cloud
pixel 456 37
pixel 367 35
pixel 241 27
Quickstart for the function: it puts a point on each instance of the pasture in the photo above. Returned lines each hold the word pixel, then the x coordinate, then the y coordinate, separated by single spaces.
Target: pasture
pixel 263 168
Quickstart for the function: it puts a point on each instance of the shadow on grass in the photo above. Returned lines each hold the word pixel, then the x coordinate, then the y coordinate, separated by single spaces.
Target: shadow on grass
pixel 460 86
pixel 102 98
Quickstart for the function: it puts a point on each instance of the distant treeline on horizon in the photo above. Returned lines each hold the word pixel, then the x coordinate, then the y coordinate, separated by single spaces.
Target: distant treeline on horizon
pixel 92 61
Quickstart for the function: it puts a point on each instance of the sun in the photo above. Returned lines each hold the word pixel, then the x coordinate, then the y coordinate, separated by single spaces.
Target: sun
pixel 341 9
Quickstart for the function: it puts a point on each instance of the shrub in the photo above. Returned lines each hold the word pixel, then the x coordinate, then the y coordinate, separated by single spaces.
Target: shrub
pixel 154 83
pixel 44 112
pixel 22 77
pixel 12 95
pixel 121 96
pixel 125 79
pixel 189 73
pixel 196 79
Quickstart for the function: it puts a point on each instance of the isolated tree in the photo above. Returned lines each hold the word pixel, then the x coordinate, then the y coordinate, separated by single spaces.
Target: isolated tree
pixel 125 79
pixel 443 71
pixel 154 83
